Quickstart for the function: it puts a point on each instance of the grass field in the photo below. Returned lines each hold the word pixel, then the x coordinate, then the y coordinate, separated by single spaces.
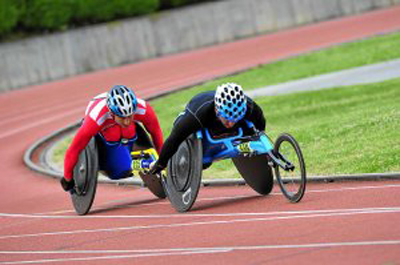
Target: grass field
pixel 369 51
pixel 341 131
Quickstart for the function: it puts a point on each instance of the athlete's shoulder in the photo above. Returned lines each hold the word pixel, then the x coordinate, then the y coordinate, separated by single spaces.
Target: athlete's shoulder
pixel 203 97
pixel 141 106
pixel 97 109
pixel 201 101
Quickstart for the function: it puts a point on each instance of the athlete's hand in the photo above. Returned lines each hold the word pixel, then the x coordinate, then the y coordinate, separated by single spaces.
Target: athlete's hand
pixel 67 185
pixel 148 170
pixel 155 168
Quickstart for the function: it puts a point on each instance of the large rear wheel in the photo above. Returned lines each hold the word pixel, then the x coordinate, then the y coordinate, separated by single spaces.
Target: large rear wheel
pixel 183 180
pixel 85 176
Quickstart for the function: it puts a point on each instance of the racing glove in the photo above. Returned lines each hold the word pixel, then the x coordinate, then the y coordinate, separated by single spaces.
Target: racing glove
pixel 67 185
pixel 156 168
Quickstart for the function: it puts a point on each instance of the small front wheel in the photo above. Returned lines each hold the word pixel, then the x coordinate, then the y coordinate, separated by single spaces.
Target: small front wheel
pixel 291 174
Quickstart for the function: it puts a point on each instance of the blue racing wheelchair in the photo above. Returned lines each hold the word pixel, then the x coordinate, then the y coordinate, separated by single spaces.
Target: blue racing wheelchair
pixel 255 157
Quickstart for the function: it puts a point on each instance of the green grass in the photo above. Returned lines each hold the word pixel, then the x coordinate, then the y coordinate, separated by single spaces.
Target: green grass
pixel 59 151
pixel 341 131
pixel 345 56
pixel 344 130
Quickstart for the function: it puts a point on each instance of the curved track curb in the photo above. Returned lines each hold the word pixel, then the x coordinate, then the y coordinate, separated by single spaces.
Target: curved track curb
pixel 41 143
pixel 48 170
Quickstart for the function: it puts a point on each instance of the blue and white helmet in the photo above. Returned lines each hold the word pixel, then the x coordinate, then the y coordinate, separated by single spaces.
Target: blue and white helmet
pixel 230 102
pixel 121 101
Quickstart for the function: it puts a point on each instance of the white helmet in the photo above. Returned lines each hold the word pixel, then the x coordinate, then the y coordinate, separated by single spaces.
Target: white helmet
pixel 230 102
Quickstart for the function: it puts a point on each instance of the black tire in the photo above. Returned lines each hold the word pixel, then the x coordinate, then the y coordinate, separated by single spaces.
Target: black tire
pixel 183 180
pixel 291 182
pixel 85 176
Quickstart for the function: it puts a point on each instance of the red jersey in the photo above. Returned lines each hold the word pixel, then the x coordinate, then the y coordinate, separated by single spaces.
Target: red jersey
pixel 98 118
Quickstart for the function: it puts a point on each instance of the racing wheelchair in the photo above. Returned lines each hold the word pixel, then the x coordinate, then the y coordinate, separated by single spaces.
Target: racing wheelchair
pixel 86 170
pixel 254 156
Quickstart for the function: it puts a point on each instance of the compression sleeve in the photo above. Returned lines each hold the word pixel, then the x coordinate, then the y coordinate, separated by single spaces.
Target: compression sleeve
pixel 88 129
pixel 184 126
pixel 150 121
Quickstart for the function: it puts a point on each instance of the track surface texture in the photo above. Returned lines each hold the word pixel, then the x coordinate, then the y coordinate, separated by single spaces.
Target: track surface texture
pixel 346 222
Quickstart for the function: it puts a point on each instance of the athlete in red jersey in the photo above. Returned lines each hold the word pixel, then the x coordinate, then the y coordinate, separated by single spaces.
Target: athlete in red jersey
pixel 112 117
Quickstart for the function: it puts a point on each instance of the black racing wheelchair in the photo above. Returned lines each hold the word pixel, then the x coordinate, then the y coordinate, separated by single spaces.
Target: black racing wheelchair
pixel 86 170
pixel 254 156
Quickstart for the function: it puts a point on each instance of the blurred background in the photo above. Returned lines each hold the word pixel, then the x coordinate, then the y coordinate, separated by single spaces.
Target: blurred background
pixel 44 40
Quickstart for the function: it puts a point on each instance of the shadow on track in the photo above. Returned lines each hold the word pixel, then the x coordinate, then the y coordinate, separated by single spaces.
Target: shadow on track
pixel 121 206
pixel 204 205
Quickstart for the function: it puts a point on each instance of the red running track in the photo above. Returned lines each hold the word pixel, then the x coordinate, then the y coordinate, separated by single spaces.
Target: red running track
pixel 359 224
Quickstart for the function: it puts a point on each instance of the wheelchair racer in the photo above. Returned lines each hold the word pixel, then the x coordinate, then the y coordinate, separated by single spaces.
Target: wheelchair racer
pixel 222 112
pixel 111 117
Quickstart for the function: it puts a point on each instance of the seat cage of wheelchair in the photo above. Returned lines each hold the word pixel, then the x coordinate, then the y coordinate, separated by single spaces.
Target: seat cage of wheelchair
pixel 234 146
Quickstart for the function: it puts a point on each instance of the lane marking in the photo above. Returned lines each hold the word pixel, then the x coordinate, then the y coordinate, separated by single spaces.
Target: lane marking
pixel 33 112
pixel 355 188
pixel 189 224
pixel 110 257
pixel 183 251
pixel 37 123
pixel 111 206
pixel 190 215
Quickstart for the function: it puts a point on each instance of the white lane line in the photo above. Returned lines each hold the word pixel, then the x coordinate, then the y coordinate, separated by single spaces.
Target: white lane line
pixel 108 251
pixel 184 251
pixel 355 188
pixel 190 215
pixel 111 206
pixel 37 111
pixel 189 224
pixel 112 257
pixel 224 248
pixel 37 123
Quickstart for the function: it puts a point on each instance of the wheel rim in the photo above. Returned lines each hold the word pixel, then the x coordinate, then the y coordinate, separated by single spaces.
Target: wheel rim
pixel 81 177
pixel 182 175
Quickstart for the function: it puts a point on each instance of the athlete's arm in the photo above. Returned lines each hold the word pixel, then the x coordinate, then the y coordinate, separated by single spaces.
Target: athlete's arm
pixel 184 126
pixel 88 129
pixel 150 122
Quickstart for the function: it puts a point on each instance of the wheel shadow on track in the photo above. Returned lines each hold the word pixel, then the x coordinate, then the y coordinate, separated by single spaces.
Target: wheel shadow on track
pixel 208 204
pixel 123 206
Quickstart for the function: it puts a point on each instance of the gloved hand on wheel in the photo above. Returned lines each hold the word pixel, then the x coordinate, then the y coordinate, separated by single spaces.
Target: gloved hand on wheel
pixel 67 185
pixel 155 168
